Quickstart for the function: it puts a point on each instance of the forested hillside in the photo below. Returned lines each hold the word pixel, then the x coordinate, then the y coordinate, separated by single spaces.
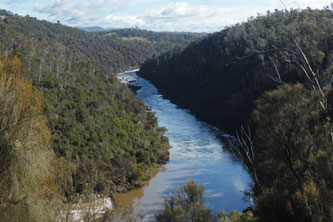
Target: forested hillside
pixel 117 50
pixel 273 75
pixel 220 77
pixel 137 45
pixel 104 138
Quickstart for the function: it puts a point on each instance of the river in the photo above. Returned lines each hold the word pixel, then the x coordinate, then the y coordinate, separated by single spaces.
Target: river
pixel 196 153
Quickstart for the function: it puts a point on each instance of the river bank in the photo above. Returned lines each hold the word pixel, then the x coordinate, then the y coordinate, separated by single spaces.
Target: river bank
pixel 126 79
pixel 93 208
pixel 125 200
pixel 196 153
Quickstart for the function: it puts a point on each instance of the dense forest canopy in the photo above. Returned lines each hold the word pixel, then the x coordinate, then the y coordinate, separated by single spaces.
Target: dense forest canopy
pixel 69 127
pixel 220 77
pixel 114 50
pixel 273 75
pixel 139 44
pixel 105 137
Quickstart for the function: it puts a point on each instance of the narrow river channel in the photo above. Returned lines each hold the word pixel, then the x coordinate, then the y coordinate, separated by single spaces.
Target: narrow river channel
pixel 196 153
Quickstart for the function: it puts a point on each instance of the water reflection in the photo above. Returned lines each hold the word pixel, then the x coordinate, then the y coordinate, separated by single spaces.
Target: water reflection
pixel 197 153
pixel 124 200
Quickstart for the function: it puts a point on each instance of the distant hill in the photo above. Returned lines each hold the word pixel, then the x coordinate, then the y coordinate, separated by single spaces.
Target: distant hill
pixel 138 45
pixel 92 29
pixel 220 77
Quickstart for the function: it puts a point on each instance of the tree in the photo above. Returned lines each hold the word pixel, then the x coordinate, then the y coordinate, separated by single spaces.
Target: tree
pixel 236 216
pixel 294 154
pixel 186 205
pixel 27 182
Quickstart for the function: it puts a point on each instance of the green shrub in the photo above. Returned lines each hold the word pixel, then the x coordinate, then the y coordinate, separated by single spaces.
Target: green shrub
pixel 27 181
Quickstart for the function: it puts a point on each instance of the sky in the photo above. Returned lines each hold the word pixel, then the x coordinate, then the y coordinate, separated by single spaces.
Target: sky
pixel 156 15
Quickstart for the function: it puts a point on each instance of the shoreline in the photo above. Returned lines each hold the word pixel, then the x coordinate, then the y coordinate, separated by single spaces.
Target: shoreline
pixel 127 199
pixel 124 80
pixel 95 209
pixel 128 71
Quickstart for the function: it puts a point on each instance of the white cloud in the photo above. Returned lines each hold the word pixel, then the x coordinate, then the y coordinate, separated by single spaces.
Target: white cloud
pixel 213 17
pixel 84 5
pixel 158 15
pixel 121 21
pixel 81 13
pixel 182 9
pixel 182 16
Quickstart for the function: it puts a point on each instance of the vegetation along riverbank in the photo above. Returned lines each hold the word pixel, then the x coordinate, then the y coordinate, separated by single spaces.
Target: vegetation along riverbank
pixel 68 128
pixel 268 82
pixel 72 134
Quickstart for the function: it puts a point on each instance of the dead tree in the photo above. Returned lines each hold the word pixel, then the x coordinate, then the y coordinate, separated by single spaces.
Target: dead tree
pixel 244 150
pixel 301 63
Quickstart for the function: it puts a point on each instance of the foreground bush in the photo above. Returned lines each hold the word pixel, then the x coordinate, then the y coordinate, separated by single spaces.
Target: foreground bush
pixel 26 179
pixel 187 205
pixel 293 156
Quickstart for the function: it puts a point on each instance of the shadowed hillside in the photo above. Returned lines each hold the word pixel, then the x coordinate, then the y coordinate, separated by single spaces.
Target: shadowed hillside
pixel 220 77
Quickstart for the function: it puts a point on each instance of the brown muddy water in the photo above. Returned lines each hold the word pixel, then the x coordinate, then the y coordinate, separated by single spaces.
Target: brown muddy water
pixel 127 199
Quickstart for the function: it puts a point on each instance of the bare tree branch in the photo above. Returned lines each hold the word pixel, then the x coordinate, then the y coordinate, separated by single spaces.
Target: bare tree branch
pixel 307 64
pixel 244 152
pixel 284 5
pixel 297 4
pixel 310 75
pixel 278 79
pixel 237 60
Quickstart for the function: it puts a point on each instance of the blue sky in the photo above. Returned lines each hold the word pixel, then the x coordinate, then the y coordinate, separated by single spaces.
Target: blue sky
pixel 157 15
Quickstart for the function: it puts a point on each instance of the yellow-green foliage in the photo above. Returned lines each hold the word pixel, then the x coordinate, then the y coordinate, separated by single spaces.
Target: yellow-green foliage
pixel 293 150
pixel 186 205
pixel 135 38
pixel 26 177
pixel 236 216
